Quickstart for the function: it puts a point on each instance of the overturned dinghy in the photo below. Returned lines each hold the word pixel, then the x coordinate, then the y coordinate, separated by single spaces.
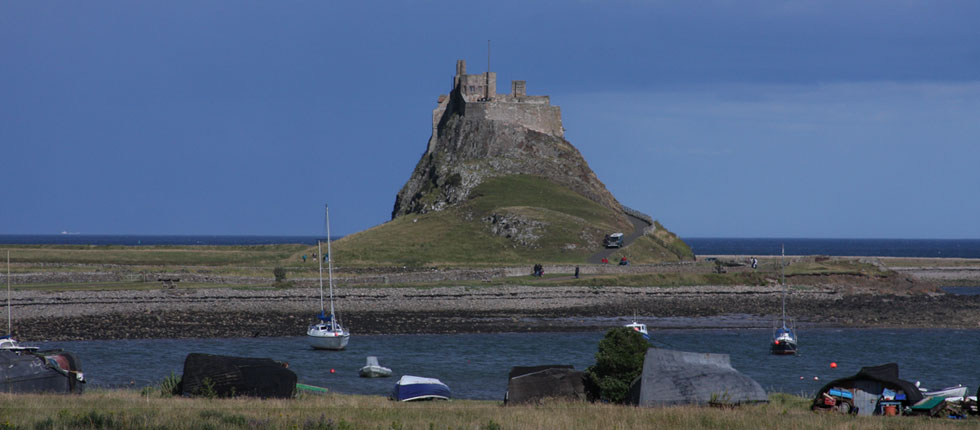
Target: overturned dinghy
pixel 225 376
pixel 679 377
pixel 373 369
pixel 528 384
pixel 864 392
pixel 26 370
pixel 410 388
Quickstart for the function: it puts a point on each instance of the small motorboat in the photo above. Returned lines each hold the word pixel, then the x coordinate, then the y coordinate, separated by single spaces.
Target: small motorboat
pixel 373 369
pixel 955 392
pixel 639 328
pixel 410 388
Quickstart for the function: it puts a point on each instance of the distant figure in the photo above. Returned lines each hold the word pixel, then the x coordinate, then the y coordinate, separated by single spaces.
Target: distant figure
pixel 755 263
pixel 304 258
pixel 538 270
pixel 605 260
pixel 576 272
pixel 624 262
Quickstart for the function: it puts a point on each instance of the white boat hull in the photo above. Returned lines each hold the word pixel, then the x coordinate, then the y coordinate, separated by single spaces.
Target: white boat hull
pixel 374 372
pixel 332 341
pixel 956 392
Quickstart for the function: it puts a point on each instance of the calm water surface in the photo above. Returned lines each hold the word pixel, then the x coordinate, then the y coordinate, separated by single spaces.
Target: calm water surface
pixel 960 248
pixel 475 366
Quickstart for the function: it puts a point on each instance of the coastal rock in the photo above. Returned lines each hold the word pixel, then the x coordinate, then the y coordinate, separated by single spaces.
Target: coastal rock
pixel 518 229
pixel 479 134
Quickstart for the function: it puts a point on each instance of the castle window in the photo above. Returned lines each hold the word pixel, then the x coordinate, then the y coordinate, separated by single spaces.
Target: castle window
pixel 472 90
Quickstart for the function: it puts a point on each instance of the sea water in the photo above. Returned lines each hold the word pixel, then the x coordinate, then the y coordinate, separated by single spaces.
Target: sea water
pixel 475 366
pixel 948 248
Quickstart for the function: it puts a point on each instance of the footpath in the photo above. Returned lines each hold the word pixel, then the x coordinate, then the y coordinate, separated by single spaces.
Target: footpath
pixel 639 226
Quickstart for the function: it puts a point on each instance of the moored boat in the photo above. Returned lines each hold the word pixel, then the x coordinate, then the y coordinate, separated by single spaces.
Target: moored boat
pixel 327 333
pixel 784 341
pixel 639 328
pixel 373 369
pixel 410 388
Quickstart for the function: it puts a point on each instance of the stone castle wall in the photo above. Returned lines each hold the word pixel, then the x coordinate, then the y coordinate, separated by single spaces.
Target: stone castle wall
pixel 542 118
pixel 476 96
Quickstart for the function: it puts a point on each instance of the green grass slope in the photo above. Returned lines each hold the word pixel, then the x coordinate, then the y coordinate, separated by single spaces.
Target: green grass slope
pixel 564 227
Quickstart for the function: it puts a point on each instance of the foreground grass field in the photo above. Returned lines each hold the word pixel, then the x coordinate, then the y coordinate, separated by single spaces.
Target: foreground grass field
pixel 124 409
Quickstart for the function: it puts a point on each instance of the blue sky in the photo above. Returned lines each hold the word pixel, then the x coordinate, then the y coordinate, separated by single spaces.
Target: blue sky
pixel 719 118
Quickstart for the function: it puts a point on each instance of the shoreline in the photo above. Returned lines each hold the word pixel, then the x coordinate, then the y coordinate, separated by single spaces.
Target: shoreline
pixel 227 312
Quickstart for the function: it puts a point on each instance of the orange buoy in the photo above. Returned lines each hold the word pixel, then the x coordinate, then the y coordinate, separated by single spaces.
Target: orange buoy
pixel 833 364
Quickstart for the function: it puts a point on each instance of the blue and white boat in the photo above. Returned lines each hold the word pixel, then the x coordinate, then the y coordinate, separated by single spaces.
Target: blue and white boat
pixel 784 341
pixel 639 328
pixel 410 388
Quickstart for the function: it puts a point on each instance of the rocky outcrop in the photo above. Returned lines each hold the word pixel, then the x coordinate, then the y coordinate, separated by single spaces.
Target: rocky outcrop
pixel 521 230
pixel 471 146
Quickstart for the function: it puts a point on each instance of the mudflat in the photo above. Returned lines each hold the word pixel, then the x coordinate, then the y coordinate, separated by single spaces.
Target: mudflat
pixel 235 312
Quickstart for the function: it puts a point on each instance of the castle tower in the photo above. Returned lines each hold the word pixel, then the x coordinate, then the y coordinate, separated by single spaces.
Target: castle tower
pixel 518 88
pixel 476 96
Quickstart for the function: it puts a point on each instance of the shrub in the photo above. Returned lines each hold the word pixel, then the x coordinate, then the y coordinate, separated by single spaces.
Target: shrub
pixel 280 274
pixel 618 361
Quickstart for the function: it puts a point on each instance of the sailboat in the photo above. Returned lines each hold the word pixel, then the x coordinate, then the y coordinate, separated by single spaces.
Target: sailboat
pixel 327 333
pixel 784 338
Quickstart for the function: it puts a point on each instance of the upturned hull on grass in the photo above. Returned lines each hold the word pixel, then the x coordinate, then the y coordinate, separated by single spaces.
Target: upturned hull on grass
pixel 24 371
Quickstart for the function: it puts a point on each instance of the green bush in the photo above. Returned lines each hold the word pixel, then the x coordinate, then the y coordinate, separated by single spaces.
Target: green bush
pixel 280 274
pixel 170 386
pixel 618 361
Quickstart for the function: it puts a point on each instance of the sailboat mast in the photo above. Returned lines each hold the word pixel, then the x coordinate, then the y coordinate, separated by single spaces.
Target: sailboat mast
pixel 782 276
pixel 330 268
pixel 319 252
pixel 9 323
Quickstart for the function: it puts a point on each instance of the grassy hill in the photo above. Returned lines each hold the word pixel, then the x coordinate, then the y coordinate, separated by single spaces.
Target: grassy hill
pixel 536 221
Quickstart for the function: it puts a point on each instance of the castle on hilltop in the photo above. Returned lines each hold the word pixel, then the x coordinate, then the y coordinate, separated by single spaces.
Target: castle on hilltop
pixel 475 97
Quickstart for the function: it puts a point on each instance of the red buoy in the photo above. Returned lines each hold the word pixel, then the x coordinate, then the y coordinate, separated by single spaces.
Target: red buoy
pixel 332 371
pixel 833 364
